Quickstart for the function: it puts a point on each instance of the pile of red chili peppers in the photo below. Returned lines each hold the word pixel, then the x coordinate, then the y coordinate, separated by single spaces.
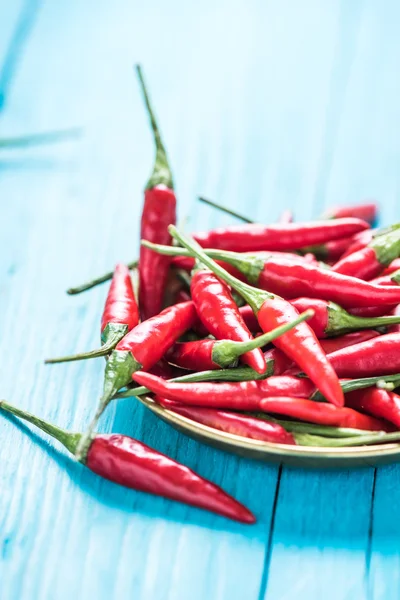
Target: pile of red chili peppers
pixel 244 330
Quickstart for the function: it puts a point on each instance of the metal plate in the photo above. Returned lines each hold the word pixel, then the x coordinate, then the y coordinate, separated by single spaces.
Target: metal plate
pixel 299 456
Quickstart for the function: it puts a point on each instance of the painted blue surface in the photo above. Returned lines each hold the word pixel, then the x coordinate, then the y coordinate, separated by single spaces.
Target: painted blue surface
pixel 263 105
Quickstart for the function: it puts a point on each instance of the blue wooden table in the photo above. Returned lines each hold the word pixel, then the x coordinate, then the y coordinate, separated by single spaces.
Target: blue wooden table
pixel 263 105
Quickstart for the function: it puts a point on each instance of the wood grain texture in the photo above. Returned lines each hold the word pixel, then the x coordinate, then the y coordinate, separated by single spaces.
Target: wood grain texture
pixel 262 106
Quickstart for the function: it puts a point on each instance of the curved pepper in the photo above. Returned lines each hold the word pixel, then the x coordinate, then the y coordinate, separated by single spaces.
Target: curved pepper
pixel 131 463
pixel 379 356
pixel 376 402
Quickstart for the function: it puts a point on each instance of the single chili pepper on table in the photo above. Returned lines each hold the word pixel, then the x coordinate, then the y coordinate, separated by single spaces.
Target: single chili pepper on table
pixel 379 356
pixel 159 211
pixel 141 348
pixel 321 413
pixel 330 319
pixel 293 280
pixel 242 425
pixel 220 315
pixel 368 211
pixel 245 395
pixel 300 343
pixel 120 315
pixel 128 462
pixel 204 355
pixel 287 236
pixel 370 261
pixel 379 403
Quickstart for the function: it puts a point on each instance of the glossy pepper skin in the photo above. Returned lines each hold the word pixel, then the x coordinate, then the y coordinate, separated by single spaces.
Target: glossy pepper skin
pixel 159 210
pixel 376 402
pixel 286 236
pixel 131 463
pixel 220 315
pixel 370 261
pixel 300 343
pixel 359 240
pixel 244 426
pixel 120 316
pixel 141 348
pixel 394 266
pixel 244 395
pixel 379 356
pixel 321 413
pixel 330 319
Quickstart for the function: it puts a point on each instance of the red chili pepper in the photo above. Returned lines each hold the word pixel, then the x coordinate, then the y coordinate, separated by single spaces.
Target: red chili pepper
pixel 350 339
pixel 278 363
pixel 141 348
pixel 371 260
pixel 376 402
pixel 220 315
pixel 379 356
pixel 372 311
pixel 182 296
pixel 367 212
pixel 120 315
pixel 300 343
pixel 321 413
pixel 205 355
pixel 244 426
pixel 288 236
pixel 243 395
pixel 330 319
pixel 394 266
pixel 131 463
pixel 330 250
pixel 159 211
pixel 360 240
pixel 249 318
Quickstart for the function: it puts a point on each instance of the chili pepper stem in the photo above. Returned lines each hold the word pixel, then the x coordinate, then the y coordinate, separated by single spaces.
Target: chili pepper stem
pixel 97 281
pixel 49 137
pixel 69 440
pixel 118 373
pixel 116 332
pixel 254 297
pixel 238 374
pixel 226 351
pixel 361 383
pixel 225 209
pixel 161 172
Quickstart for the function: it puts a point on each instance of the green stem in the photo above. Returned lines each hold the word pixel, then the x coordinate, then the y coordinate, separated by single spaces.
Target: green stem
pixel 69 440
pixel 36 139
pixel 98 280
pixel 113 333
pixel 387 246
pixel 238 374
pixel 340 321
pixel 378 437
pixel 253 296
pixel 225 352
pixel 359 384
pixel 225 209
pixel 161 172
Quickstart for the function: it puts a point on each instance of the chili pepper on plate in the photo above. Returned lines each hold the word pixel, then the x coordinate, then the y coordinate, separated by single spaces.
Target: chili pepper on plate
pixel 379 403
pixel 244 395
pixel 293 280
pixel 159 211
pixel 330 319
pixel 128 462
pixel 204 355
pixel 300 343
pixel 378 356
pixel 282 236
pixel 242 425
pixel 120 315
pixel 370 261
pixel 141 348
